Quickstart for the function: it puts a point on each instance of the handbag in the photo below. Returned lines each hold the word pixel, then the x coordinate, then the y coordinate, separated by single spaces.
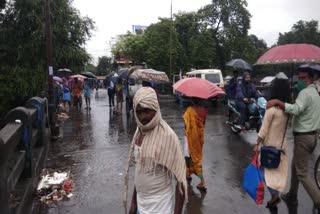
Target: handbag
pixel 270 156
pixel 253 180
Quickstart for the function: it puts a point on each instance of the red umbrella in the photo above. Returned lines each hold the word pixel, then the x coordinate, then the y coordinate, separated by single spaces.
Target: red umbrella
pixel 292 53
pixel 196 87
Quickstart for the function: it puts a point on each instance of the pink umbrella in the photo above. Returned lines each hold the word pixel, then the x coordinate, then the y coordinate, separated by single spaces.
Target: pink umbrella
pixel 79 76
pixel 196 87
pixel 292 53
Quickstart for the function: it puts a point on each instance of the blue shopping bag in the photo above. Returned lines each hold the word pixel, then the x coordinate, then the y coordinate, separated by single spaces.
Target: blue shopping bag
pixel 253 180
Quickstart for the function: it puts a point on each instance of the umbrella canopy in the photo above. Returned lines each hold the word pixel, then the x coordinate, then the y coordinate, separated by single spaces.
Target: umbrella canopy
pixel 57 79
pixel 314 67
pixel 64 70
pixel 88 74
pixel 196 87
pixel 150 75
pixel 79 76
pixel 292 53
pixel 115 78
pixel 268 79
pixel 239 64
pixel 124 73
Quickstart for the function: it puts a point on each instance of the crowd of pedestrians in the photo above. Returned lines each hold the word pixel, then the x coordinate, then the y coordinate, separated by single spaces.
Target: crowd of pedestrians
pixel 159 156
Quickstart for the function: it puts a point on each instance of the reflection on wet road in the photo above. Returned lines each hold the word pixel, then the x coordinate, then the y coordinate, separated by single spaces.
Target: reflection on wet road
pixel 95 145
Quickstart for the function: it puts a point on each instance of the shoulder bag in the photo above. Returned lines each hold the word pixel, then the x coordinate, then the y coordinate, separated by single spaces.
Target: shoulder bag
pixel 270 156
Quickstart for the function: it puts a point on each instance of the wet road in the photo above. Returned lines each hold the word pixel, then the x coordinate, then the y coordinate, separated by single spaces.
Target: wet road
pixel 94 147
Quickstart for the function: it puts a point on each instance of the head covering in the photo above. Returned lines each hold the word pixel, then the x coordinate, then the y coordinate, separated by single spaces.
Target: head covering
pixel 160 143
pixel 244 75
pixel 146 97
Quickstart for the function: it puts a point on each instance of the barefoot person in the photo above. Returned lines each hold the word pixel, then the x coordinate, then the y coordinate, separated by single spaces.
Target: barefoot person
pixel 159 157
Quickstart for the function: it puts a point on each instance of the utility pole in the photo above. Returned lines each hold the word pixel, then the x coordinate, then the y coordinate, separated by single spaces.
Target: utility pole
pixel 52 115
pixel 170 43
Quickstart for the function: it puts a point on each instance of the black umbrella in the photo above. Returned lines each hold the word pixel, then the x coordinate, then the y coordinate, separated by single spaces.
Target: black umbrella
pixel 88 74
pixel 239 64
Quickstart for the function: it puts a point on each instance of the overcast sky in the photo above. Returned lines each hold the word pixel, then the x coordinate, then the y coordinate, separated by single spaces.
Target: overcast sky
pixel 114 17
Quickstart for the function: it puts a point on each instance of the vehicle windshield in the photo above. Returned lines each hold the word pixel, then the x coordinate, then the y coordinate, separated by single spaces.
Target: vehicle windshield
pixel 214 78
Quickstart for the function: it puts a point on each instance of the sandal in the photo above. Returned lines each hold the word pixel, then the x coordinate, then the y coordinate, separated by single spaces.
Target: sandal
pixel 273 202
pixel 202 188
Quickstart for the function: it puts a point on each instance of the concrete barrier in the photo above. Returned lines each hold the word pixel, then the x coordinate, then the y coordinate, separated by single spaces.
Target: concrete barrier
pixel 23 148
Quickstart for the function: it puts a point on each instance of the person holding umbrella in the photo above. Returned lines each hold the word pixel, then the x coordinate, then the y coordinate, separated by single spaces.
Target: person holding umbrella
pixel 194 119
pixel 111 92
pixel 66 94
pixel 87 93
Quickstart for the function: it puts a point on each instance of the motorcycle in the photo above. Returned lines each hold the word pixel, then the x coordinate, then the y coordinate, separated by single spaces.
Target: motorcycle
pixel 256 111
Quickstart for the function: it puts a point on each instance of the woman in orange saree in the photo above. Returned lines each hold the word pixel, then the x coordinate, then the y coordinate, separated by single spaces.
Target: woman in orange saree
pixel 194 119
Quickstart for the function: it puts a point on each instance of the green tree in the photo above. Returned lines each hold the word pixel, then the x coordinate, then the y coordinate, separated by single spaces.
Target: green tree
pixel 130 45
pixel 301 32
pixel 91 68
pixel 187 28
pixel 104 65
pixel 228 21
pixel 158 47
pixel 23 60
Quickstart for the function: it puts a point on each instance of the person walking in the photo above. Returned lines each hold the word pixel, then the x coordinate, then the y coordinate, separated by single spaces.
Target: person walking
pixel 306 122
pixel 159 157
pixel 76 93
pixel 66 95
pixel 272 133
pixel 87 93
pixel 119 94
pixel 111 93
pixel 194 120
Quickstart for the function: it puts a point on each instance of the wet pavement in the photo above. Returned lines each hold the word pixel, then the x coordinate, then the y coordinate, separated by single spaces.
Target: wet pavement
pixel 94 147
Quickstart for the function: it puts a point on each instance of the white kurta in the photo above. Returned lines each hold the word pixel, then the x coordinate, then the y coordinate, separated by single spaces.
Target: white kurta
pixel 272 131
pixel 155 190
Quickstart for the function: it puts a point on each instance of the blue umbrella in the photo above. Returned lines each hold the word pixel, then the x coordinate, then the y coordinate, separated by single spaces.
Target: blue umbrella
pixel 239 64
pixel 124 73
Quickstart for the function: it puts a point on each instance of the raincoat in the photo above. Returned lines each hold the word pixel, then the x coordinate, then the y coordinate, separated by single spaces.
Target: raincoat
pixel 246 90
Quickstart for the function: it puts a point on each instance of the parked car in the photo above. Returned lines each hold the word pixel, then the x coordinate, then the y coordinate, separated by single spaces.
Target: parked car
pixel 212 75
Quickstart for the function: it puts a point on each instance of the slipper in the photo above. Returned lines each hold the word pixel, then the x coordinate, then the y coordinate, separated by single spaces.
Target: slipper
pixel 202 189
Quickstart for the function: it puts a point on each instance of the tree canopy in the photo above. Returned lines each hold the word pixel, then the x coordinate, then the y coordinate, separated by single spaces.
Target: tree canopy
pixel 104 65
pixel 207 38
pixel 301 32
pixel 23 51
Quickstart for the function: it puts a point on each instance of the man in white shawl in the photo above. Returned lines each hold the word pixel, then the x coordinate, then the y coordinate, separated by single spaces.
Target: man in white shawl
pixel 159 157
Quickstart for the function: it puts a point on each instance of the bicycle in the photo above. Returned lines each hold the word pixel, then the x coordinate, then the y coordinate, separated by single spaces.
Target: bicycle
pixel 317 172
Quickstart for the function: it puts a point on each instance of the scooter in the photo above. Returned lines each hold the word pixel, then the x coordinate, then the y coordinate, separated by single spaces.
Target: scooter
pixel 256 109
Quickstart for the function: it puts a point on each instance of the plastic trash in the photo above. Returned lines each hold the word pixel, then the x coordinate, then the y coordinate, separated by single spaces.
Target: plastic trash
pixel 54 186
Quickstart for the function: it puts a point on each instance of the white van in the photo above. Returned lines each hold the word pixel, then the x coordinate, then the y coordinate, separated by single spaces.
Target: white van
pixel 212 75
